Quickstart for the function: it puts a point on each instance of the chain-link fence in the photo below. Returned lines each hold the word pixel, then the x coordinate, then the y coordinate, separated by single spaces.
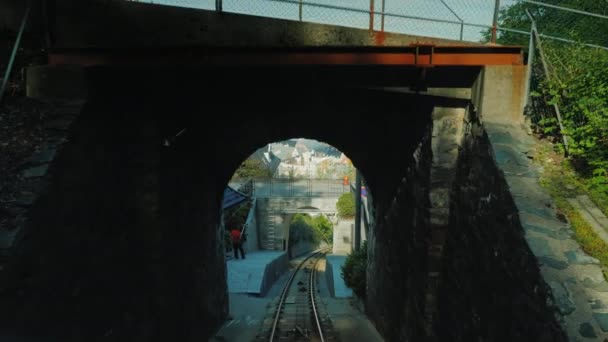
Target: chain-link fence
pixel 568 77
pixel 585 23
pixel 467 20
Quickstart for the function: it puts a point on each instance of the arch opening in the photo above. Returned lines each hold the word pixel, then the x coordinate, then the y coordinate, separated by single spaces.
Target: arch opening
pixel 283 179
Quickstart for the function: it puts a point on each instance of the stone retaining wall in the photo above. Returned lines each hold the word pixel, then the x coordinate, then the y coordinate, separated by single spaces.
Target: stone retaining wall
pixel 397 255
pixel 491 287
pixel 116 248
pixel 575 279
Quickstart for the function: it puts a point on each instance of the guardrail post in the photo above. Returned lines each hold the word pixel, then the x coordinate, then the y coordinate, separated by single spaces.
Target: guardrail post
pixel 495 20
pixel 357 238
pixel 48 12
pixel 461 29
pixel 455 15
pixel 548 75
pixel 371 15
pixel 531 52
pixel 382 21
pixel 9 68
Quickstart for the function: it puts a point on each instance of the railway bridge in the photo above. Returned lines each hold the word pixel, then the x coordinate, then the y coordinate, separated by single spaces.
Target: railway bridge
pixel 124 241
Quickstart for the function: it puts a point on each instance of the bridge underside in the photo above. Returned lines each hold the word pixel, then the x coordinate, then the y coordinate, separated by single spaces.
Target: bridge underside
pixel 415 66
pixel 415 55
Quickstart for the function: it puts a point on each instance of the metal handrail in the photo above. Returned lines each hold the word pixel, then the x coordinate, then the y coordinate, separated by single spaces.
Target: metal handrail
pixel 456 15
pixel 11 61
pixel 494 27
pixel 251 210
pixel 548 75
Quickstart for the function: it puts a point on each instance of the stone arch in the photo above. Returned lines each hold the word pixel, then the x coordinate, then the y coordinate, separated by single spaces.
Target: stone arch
pixel 141 201
pixel 383 150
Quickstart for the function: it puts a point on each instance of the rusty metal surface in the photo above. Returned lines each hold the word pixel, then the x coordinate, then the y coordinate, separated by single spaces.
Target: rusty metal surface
pixel 422 56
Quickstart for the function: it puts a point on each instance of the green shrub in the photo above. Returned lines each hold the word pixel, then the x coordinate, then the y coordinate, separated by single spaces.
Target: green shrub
pixel 324 228
pixel 346 205
pixel 252 168
pixel 578 84
pixel 301 228
pixel 354 270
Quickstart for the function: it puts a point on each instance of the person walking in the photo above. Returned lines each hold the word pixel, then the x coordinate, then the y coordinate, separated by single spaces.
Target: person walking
pixel 237 243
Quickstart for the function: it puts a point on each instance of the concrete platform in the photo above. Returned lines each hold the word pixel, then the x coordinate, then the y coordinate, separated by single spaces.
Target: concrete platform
pixel 248 313
pixel 257 272
pixel 335 282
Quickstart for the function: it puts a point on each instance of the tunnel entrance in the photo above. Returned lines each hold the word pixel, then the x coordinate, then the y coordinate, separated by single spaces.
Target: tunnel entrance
pixel 292 193
pixel 285 183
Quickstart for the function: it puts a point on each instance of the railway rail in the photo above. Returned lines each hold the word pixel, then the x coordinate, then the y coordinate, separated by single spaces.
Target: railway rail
pixel 298 314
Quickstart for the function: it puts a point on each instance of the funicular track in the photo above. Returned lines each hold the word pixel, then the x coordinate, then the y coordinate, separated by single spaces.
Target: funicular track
pixel 298 315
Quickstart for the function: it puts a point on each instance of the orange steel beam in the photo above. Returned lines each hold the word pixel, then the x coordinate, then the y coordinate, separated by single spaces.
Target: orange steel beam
pixel 420 56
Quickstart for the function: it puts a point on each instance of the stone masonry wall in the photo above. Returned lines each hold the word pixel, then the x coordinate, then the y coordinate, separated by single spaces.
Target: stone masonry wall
pixel 397 269
pixel 117 249
pixel 491 287
pixel 448 130
pixel 576 280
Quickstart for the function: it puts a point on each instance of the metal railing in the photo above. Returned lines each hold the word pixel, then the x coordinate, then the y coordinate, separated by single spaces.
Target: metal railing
pixel 465 20
pixel 278 187
pixel 11 61
pixel 449 19
pixel 577 21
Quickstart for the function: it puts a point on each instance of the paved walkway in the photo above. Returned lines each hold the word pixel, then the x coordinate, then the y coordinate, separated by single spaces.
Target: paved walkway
pixel 256 273
pixel 576 279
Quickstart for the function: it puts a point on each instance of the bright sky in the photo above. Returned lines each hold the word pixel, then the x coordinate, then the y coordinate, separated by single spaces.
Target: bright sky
pixel 470 11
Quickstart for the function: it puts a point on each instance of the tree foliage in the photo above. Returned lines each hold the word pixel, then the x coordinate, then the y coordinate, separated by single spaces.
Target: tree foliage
pixel 305 228
pixel 324 227
pixel 578 81
pixel 346 205
pixel 554 22
pixel 301 229
pixel 252 168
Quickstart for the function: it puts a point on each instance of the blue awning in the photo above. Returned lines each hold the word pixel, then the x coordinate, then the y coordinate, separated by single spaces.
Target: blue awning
pixel 233 197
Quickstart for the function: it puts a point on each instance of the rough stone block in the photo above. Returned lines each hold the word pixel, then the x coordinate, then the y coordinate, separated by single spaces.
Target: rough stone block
pixel 597 304
pixel 37 171
pixel 579 257
pixel 540 246
pixel 562 298
pixel 586 330
pixel 440 198
pixel 26 198
pixel 599 286
pixel 43 157
pixel 58 124
pixel 553 263
pixel 602 320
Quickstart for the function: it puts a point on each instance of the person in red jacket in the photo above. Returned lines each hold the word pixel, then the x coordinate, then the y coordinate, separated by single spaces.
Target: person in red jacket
pixel 237 243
